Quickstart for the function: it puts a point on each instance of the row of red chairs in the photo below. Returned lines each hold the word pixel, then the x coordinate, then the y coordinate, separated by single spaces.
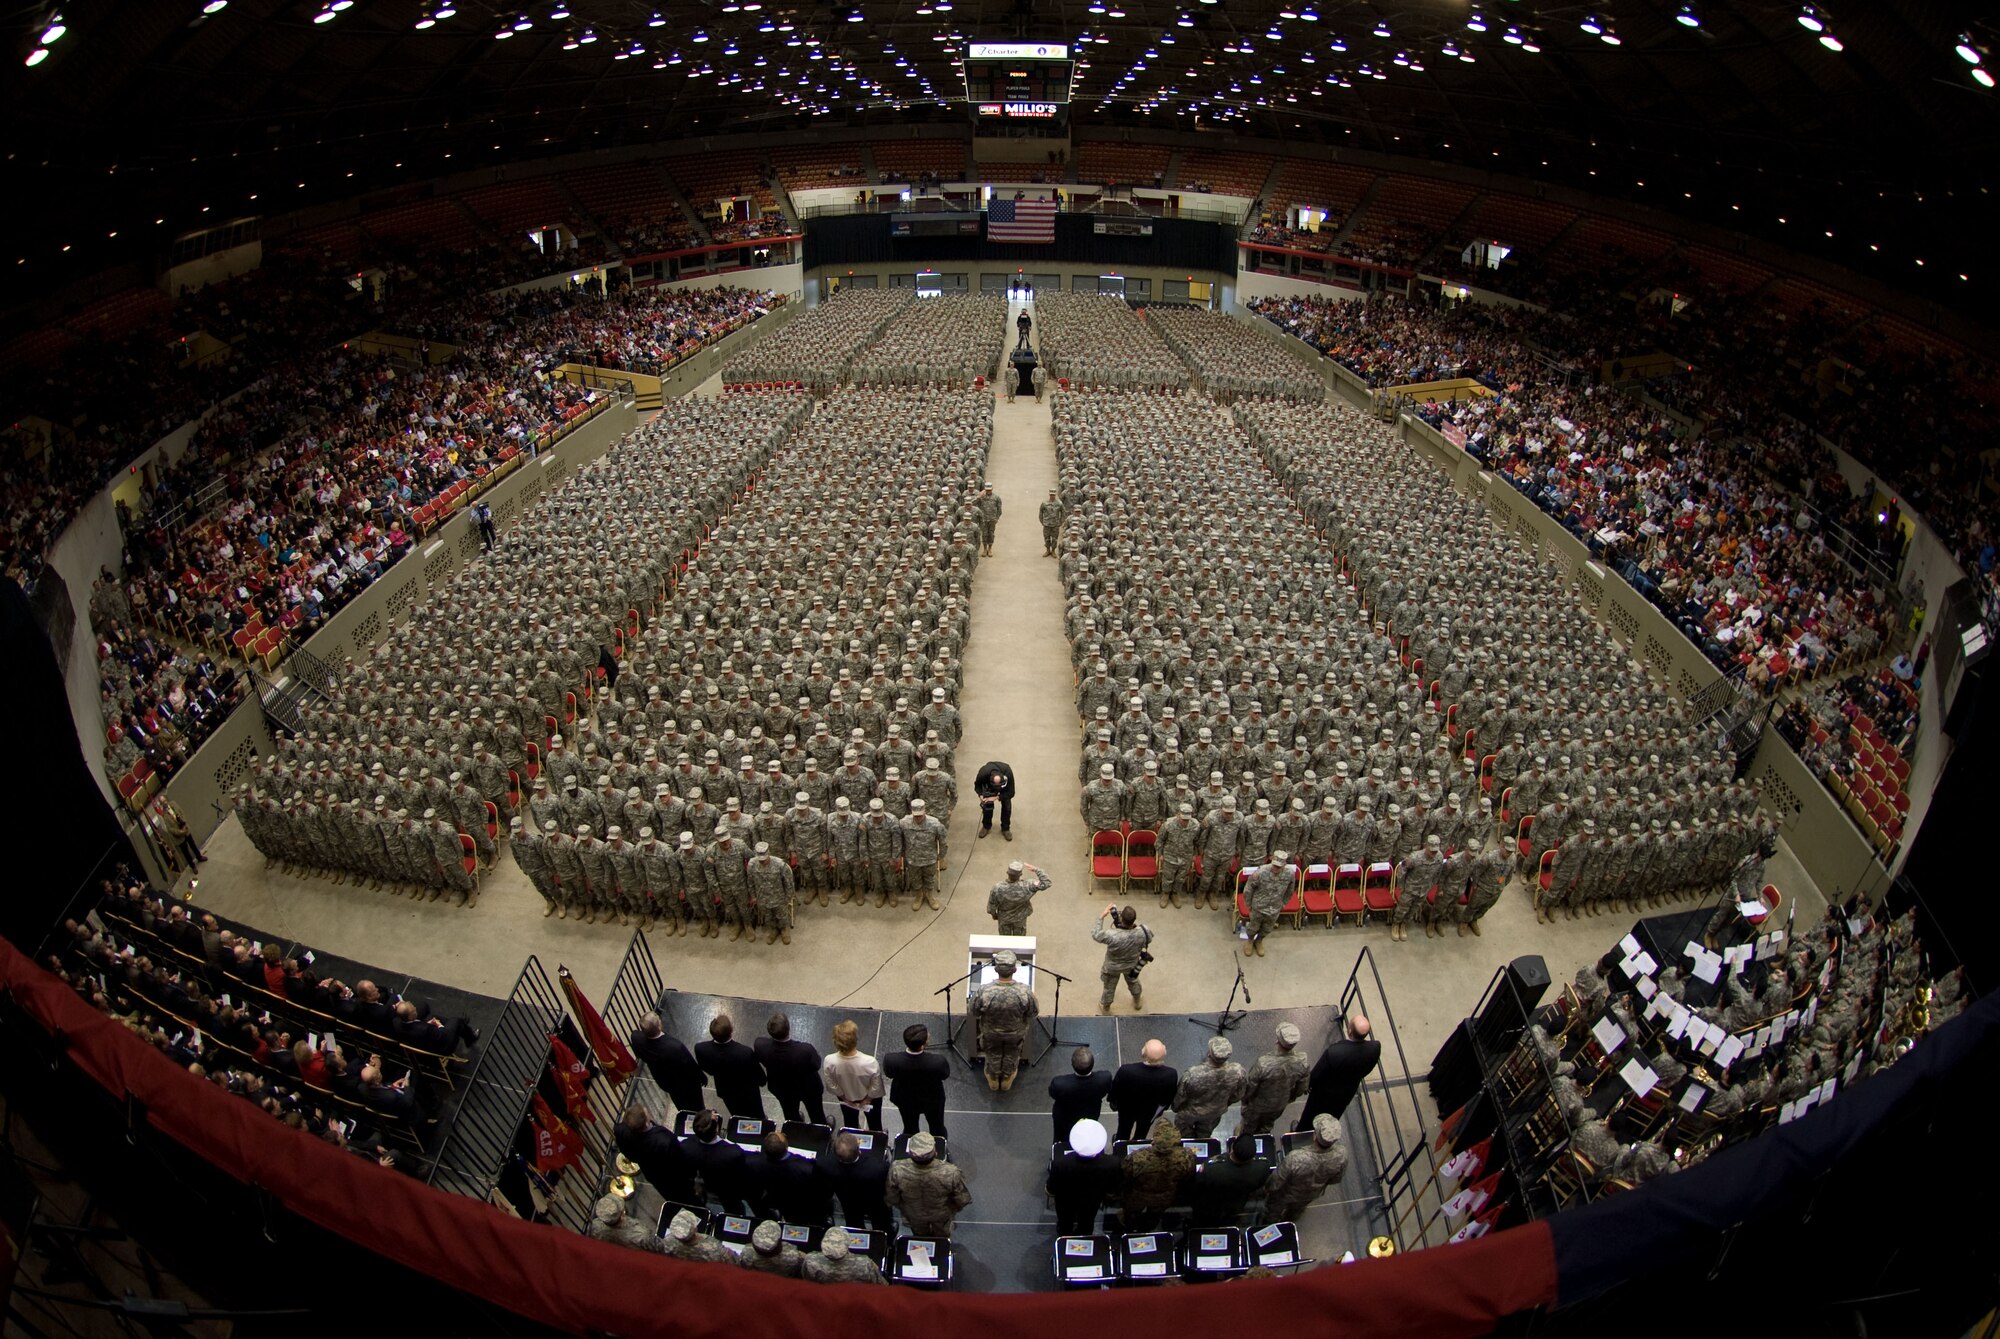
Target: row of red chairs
pixel 1122 859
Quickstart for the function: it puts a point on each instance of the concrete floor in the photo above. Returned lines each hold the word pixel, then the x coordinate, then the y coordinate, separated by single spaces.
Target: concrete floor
pixel 1016 706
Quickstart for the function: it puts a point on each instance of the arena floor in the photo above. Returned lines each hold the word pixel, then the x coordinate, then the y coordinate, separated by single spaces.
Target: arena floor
pixel 1017 706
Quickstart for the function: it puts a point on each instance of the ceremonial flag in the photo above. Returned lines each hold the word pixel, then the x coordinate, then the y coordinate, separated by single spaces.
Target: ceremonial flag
pixel 1449 1129
pixel 1473 1198
pixel 1468 1163
pixel 1021 220
pixel 1479 1226
pixel 574 1078
pixel 612 1056
pixel 555 1142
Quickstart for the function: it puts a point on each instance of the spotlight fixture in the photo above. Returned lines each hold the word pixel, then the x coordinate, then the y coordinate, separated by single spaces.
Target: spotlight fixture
pixel 523 23
pixel 1831 43
pixel 1811 20
pixel 1609 37
pixel 1512 37
pixel 1592 25
pixel 324 16
pixel 1687 18
pixel 1981 76
pixel 445 11
pixel 1382 28
pixel 53 33
pixel 1476 22
pixel 36 57
pixel 426 20
pixel 1968 50
pixel 215 6
pixel 559 13
pixel 1339 43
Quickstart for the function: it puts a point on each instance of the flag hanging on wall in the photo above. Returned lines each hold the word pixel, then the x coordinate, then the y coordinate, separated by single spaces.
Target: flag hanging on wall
pixel 1021 220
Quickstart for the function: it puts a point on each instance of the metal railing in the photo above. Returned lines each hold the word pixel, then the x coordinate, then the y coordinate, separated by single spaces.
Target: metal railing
pixel 1391 1111
pixel 635 989
pixel 495 1105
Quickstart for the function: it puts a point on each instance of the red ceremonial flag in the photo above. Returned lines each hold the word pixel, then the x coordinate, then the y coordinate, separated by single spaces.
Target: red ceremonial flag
pixel 574 1078
pixel 1450 1127
pixel 555 1142
pixel 1479 1225
pixel 612 1055
pixel 1468 1164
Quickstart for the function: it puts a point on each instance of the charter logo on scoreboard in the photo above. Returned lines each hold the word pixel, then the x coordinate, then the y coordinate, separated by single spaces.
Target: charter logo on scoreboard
pixel 1018 51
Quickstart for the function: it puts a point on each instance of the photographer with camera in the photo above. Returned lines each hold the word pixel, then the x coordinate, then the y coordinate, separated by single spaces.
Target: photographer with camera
pixel 1125 942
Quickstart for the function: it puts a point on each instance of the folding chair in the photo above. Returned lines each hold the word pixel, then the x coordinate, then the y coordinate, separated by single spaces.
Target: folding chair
pixel 1142 859
pixel 1545 874
pixel 1347 899
pixel 534 765
pixel 1523 843
pixel 492 820
pixel 1378 888
pixel 1107 860
pixel 1506 808
pixel 1486 773
pixel 514 790
pixel 468 854
pixel 1316 893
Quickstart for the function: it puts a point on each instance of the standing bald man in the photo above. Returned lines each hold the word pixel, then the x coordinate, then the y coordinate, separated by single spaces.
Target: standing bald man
pixel 1142 1090
pixel 1339 1072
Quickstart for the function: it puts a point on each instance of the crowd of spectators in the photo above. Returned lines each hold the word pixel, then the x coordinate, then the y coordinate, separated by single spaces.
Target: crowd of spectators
pixel 159 701
pixel 1736 532
pixel 1272 233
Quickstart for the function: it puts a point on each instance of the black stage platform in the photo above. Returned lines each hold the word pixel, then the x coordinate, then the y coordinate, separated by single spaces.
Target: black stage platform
pixel 1002 1140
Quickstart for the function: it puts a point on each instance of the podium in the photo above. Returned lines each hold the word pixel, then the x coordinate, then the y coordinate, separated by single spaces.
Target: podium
pixel 979 951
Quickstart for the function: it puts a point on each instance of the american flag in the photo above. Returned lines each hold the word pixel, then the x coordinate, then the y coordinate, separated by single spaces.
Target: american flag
pixel 1021 220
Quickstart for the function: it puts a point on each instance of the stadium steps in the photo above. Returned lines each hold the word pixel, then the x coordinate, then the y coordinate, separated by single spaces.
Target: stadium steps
pixel 1172 179
pixel 1264 192
pixel 688 211
pixel 486 232
pixel 1444 238
pixel 1557 242
pixel 1359 212
pixel 784 199
pixel 583 212
pixel 869 172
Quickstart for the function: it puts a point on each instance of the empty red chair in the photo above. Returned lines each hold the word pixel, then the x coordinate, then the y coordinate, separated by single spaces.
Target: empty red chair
pixel 1347 898
pixel 1107 859
pixel 1316 892
pixel 1378 887
pixel 1142 858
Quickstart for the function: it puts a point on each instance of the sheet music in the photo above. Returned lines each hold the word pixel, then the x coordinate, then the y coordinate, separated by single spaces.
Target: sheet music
pixel 1727 1053
pixel 1609 1035
pixel 1708 966
pixel 1630 943
pixel 1647 989
pixel 1639 1077
pixel 1691 1097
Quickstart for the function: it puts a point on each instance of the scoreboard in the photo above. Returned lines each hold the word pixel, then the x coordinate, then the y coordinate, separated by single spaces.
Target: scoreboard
pixel 1017 73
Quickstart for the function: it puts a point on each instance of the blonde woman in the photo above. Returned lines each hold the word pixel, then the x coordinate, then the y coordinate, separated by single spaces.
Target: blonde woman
pixel 853 1078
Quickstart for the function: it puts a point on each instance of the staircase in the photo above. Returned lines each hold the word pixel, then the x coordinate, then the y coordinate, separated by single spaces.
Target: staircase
pixel 1171 179
pixel 1359 211
pixel 688 211
pixel 610 246
pixel 869 172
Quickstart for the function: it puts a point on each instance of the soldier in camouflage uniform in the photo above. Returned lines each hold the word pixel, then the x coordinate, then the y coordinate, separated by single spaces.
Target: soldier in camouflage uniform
pixel 771 885
pixel 881 855
pixel 1103 802
pixel 1266 893
pixel 532 856
pixel 1274 1083
pixel 1051 517
pixel 1153 1177
pixel 924 850
pixel 1178 840
pixel 1208 1090
pixel 1307 1171
pixel 843 843
pixel 1124 941
pixel 1415 878
pixel 835 1262
pixel 1011 902
pixel 1221 837
pixel 698 898
pixel 928 1190
pixel 1001 1014
pixel 806 844
pixel 1491 869
pixel 989 519
pixel 729 883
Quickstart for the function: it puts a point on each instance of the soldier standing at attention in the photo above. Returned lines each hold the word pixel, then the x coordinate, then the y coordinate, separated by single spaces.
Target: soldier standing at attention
pixel 1274 1082
pixel 989 518
pixel 1307 1171
pixel 1124 941
pixel 1266 892
pixel 929 1190
pixel 1051 517
pixel 1207 1091
pixel 1001 1014
pixel 1012 902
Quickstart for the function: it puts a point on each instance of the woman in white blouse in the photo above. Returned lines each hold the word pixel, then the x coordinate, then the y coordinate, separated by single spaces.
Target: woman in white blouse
pixel 853 1078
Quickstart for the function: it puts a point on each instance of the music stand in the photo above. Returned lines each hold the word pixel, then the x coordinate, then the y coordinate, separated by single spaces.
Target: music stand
pixel 1053 1025
pixel 1230 1015
pixel 950 1027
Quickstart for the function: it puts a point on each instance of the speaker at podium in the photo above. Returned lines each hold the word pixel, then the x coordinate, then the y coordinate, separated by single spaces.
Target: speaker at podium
pixel 980 973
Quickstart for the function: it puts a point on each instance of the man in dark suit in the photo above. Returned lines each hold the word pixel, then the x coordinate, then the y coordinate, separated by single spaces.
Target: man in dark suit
pixel 371 1011
pixel 860 1180
pixel 786 1188
pixel 1080 1179
pixel 916 1081
pixel 1079 1095
pixel 1223 1186
pixel 719 1163
pixel 1141 1091
pixel 739 1079
pixel 391 1099
pixel 438 1036
pixel 662 1161
pixel 791 1067
pixel 1339 1072
pixel 994 785
pixel 670 1064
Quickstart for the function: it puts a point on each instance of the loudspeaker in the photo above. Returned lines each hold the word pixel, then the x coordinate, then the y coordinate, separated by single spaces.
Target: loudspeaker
pixel 1512 1005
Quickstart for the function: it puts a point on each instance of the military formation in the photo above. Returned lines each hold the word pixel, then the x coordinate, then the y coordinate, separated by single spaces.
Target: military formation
pixel 1091 339
pixel 783 722
pixel 818 349
pixel 944 340
pixel 1301 673
pixel 1232 361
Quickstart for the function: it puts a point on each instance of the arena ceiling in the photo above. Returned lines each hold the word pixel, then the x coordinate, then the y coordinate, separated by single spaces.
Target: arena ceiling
pixel 1860 120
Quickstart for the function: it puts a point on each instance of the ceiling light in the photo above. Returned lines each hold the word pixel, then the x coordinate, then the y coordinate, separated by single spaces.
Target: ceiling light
pixel 426 20
pixel 1476 22
pixel 1532 47
pixel 699 36
pixel 1382 29
pixel 854 16
pixel 1810 20
pixel 53 33
pixel 324 16
pixel 1512 36
pixel 446 10
pixel 215 6
pixel 503 34
pixel 523 23
pixel 1981 77
pixel 1967 50
pixel 1339 43
pixel 1591 25
pixel 1687 18
pixel 1185 21
pixel 1831 43
pixel 36 57
pixel 1609 38
pixel 559 13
